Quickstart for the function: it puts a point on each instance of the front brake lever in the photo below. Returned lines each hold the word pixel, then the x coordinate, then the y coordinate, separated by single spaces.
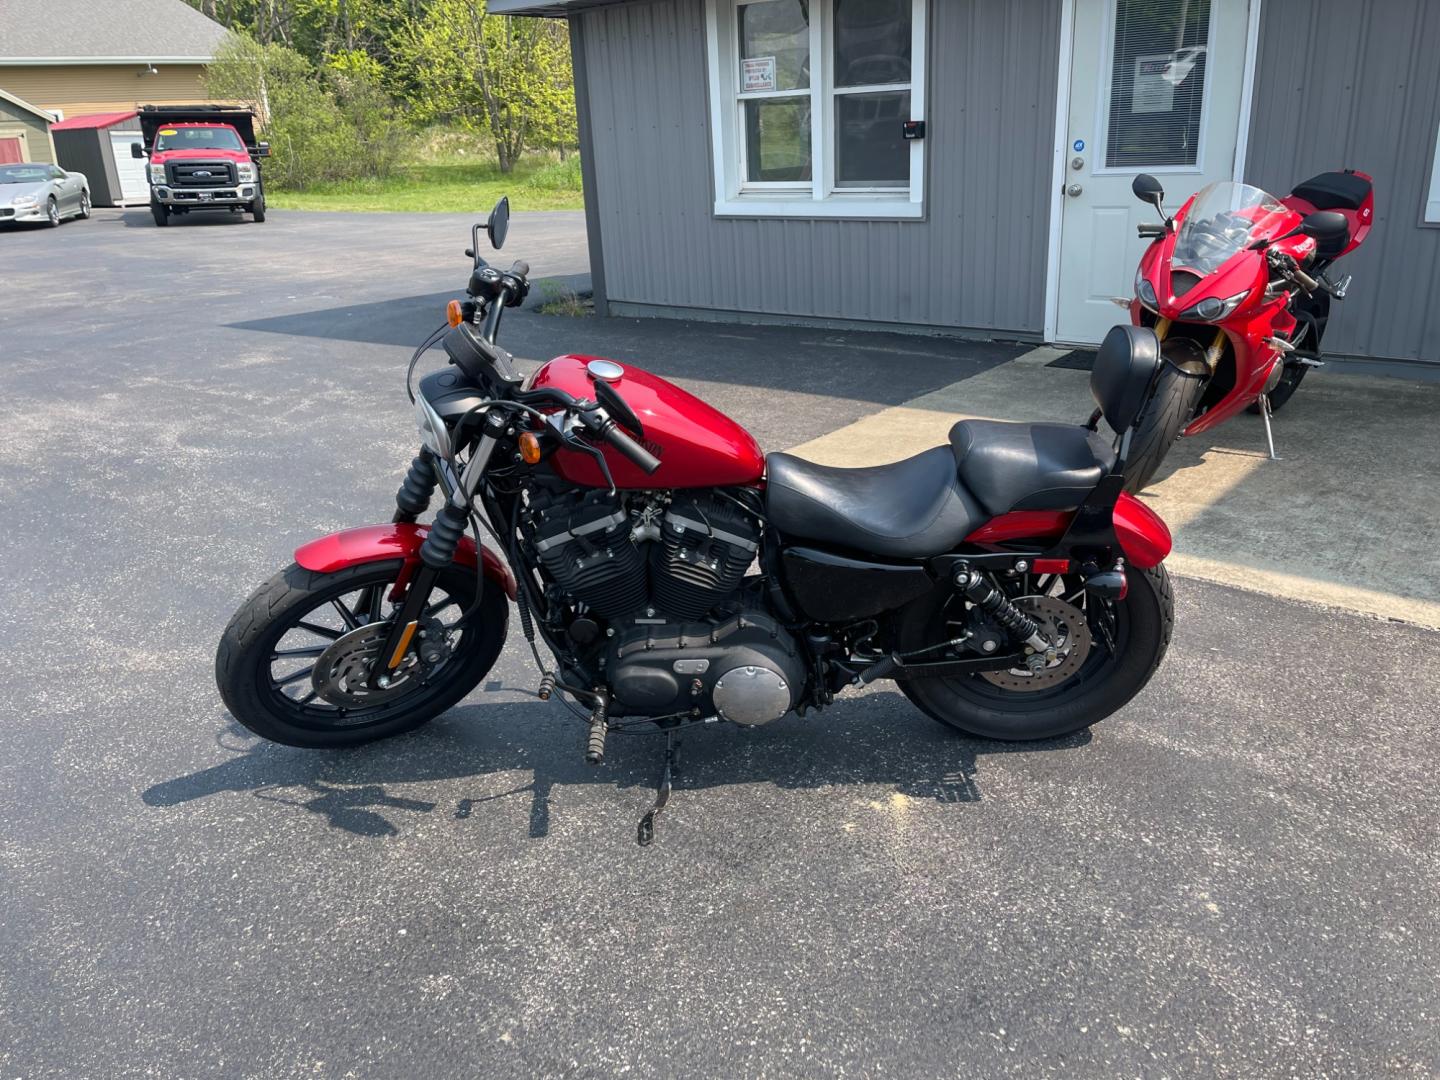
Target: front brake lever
pixel 575 442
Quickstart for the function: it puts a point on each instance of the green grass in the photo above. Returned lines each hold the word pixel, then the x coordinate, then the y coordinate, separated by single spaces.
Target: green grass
pixel 453 185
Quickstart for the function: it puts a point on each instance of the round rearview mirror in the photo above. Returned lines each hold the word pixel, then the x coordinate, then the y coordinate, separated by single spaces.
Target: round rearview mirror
pixel 499 223
pixel 1148 189
pixel 1325 226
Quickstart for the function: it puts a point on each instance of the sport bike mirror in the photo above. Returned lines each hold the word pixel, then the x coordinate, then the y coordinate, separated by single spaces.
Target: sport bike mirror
pixel 499 223
pixel 1148 189
pixel 1326 226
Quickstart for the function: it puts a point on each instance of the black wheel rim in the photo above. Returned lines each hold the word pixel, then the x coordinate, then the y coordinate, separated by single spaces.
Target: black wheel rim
pixel 294 646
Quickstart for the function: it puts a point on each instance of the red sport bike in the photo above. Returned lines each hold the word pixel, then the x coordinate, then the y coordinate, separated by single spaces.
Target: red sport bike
pixel 678 576
pixel 1236 288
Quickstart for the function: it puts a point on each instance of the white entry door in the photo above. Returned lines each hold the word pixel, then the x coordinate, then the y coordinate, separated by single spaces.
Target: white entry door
pixel 1155 87
pixel 134 187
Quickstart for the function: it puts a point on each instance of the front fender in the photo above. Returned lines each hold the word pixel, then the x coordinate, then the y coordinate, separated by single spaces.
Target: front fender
pixel 380 543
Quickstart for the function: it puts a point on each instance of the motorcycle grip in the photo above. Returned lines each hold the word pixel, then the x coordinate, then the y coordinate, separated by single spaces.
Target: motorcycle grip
pixel 1304 280
pixel 637 454
pixel 520 268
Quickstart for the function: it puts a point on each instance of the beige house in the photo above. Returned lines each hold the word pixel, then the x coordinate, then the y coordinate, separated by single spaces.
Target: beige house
pixel 76 57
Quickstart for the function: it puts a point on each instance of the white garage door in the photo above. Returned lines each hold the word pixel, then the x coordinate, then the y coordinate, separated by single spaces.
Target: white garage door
pixel 133 186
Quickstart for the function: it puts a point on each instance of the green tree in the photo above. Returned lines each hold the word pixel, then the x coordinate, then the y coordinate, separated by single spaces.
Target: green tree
pixel 507 77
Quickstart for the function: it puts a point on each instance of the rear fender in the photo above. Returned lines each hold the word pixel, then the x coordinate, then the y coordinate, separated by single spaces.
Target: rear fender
pixel 1143 537
pixel 383 543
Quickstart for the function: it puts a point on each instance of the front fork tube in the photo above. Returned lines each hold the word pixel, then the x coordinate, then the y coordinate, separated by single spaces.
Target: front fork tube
pixel 438 550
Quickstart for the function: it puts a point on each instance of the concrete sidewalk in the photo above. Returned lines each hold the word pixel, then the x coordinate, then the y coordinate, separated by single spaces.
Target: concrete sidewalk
pixel 1349 516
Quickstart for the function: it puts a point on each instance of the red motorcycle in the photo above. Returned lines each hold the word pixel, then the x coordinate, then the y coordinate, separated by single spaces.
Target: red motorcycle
pixel 1236 288
pixel 680 577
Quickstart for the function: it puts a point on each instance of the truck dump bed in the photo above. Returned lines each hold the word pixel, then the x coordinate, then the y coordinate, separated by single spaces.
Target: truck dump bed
pixel 154 117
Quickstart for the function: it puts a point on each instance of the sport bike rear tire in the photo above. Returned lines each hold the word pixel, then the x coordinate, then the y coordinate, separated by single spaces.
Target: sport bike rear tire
pixel 245 662
pixel 1177 396
pixel 1143 623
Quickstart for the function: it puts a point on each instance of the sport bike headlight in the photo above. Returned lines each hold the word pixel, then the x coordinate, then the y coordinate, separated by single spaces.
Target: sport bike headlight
pixel 1213 309
pixel 433 432
pixel 157 174
pixel 1146 292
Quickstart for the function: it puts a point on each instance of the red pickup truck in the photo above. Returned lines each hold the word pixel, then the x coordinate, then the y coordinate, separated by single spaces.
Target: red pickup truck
pixel 202 157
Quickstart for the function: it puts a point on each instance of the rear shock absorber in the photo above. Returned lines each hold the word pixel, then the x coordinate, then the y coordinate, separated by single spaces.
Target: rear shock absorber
pixel 978 589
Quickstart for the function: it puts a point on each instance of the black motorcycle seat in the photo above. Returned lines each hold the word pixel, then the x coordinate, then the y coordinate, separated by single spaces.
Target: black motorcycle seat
pixel 1029 466
pixel 909 509
pixel 1334 191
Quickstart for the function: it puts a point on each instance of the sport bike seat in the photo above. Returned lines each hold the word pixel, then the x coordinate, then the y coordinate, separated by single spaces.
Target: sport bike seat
pixel 1334 191
pixel 909 509
pixel 1029 466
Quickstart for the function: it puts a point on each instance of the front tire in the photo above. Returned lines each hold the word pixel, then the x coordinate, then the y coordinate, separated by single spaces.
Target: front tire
pixel 257 209
pixel 1142 625
pixel 160 213
pixel 52 213
pixel 260 665
pixel 1177 396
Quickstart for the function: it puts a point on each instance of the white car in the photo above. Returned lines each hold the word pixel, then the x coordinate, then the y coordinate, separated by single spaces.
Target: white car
pixel 38 192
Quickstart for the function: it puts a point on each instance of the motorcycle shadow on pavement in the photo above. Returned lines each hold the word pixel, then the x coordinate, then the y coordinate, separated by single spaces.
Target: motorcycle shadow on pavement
pixel 877 740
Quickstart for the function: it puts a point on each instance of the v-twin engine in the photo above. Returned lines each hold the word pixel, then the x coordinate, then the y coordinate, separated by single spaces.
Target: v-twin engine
pixel 649 591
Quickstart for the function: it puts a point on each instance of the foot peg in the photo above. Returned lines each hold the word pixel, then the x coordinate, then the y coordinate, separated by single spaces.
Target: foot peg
pixel 599 728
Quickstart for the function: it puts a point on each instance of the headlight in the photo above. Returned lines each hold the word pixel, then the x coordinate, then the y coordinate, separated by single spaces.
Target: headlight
pixel 246 172
pixel 25 200
pixel 1146 292
pixel 157 174
pixel 433 432
pixel 1213 309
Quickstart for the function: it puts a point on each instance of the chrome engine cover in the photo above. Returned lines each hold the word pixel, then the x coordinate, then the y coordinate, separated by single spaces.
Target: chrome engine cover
pixel 752 695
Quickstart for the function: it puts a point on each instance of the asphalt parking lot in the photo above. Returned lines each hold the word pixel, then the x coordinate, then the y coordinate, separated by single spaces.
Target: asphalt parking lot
pixel 1235 876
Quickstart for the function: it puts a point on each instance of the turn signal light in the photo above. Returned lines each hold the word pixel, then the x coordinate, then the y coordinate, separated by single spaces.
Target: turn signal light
pixel 529 448
pixel 453 315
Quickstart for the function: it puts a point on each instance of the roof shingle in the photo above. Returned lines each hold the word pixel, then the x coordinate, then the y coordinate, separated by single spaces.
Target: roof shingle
pixel 83 31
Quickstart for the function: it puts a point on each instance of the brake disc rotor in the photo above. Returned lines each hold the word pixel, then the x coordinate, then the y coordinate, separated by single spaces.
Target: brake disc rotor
pixel 1066 628
pixel 343 671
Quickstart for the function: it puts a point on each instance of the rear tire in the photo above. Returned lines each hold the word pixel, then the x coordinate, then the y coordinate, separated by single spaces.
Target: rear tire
pixel 1144 621
pixel 160 213
pixel 244 663
pixel 1177 396
pixel 84 205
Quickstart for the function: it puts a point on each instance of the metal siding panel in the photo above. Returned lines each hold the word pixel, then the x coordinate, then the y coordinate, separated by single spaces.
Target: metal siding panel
pixel 991 94
pixel 1342 84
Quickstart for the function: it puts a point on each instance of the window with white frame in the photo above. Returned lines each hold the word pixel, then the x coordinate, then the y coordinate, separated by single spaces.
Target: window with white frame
pixel 1432 203
pixel 809 101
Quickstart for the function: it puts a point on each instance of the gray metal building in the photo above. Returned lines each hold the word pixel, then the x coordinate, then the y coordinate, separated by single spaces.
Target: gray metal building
pixel 746 159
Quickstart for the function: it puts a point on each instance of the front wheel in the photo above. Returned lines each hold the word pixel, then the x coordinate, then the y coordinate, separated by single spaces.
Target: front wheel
pixel 1121 644
pixel 160 213
pixel 1177 396
pixel 52 213
pixel 257 208
pixel 293 664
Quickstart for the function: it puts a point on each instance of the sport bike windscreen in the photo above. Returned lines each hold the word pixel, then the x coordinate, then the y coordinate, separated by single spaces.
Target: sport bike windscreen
pixel 1225 218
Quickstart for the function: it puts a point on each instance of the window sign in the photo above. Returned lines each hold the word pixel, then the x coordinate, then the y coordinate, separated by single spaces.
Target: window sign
pixel 757 74
pixel 1152 92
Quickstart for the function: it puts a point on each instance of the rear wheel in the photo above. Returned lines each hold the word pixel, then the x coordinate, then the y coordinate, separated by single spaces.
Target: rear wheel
pixel 1177 396
pixel 1123 643
pixel 84 204
pixel 293 664
pixel 160 213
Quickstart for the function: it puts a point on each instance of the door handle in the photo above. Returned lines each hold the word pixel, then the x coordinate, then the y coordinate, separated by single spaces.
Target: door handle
pixel 1073 190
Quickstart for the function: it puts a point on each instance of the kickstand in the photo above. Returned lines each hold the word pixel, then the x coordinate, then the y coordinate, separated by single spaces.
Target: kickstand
pixel 646 833
pixel 1269 436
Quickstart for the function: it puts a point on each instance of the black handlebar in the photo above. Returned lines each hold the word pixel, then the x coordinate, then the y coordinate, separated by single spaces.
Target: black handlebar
pixel 629 448
pixel 520 268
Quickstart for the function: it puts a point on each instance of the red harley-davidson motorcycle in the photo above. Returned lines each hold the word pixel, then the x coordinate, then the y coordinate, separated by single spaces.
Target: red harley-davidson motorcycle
pixel 1235 286
pixel 678 576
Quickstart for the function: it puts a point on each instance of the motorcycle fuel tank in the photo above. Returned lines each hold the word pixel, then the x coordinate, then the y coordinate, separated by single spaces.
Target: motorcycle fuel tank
pixel 698 446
